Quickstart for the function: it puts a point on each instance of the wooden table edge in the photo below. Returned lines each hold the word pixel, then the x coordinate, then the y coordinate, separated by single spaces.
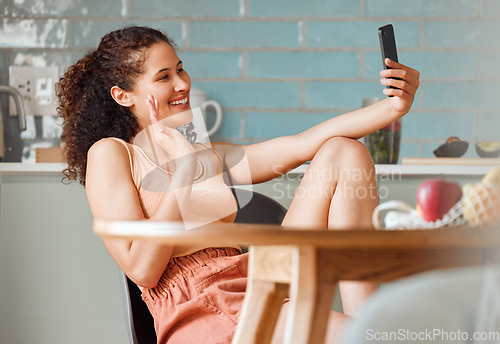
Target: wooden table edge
pixel 258 234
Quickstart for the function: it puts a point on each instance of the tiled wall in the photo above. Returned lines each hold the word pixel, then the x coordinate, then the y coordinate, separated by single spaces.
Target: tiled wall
pixel 280 66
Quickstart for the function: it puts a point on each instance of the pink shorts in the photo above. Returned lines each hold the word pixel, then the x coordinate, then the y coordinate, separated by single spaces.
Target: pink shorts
pixel 199 297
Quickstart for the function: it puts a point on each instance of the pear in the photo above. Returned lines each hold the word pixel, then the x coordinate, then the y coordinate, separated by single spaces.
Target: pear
pixel 493 176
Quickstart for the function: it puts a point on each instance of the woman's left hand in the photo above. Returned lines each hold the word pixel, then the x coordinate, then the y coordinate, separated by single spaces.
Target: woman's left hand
pixel 405 90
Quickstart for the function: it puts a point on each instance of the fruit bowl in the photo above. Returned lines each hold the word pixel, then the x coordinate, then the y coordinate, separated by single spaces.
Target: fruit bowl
pixel 481 204
pixel 453 149
pixel 489 149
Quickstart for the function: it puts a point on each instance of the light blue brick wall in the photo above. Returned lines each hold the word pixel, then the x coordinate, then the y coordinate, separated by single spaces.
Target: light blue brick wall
pixel 464 95
pixel 34 33
pixel 422 8
pixel 266 125
pixel 206 65
pixel 253 94
pixel 231 127
pixel 433 125
pixel 327 94
pixel 301 8
pixel 491 8
pixel 86 33
pixel 87 8
pixel 185 8
pixel 436 64
pixel 489 128
pixel 281 66
pixel 289 65
pixel 358 33
pixel 244 34
pixel 462 34
pixel 490 65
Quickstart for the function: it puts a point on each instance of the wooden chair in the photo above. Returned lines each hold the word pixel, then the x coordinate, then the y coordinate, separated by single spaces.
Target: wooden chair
pixel 260 209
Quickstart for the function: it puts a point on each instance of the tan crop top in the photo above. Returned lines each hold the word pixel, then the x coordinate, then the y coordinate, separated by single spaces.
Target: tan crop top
pixel 211 199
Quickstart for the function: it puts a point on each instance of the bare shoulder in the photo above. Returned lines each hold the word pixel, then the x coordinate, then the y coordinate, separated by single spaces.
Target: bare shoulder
pixel 107 148
pixel 110 188
pixel 107 159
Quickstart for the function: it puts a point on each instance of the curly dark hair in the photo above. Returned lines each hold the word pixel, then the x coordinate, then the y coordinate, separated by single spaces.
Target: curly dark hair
pixel 85 103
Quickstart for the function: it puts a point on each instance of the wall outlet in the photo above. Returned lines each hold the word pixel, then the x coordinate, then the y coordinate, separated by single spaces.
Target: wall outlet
pixel 36 85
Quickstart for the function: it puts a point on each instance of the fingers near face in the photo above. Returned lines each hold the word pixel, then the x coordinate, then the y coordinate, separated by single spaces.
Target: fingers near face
pixel 153 108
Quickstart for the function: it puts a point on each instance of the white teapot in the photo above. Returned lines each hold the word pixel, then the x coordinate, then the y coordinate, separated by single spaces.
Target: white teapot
pixel 198 99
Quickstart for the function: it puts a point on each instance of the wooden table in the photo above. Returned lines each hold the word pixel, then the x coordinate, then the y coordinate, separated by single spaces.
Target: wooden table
pixel 306 264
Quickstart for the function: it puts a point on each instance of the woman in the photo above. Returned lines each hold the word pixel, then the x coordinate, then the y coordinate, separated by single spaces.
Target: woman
pixel 132 89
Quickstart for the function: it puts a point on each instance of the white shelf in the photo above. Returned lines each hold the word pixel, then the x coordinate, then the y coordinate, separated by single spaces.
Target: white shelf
pixel 31 168
pixel 420 170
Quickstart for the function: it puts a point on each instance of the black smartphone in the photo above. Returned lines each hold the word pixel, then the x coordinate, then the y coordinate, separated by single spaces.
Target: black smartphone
pixel 388 45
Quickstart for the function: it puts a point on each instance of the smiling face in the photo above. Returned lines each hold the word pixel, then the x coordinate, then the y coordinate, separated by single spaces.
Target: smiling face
pixel 168 82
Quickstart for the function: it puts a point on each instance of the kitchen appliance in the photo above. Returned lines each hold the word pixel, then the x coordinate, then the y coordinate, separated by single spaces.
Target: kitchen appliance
pixel 18 100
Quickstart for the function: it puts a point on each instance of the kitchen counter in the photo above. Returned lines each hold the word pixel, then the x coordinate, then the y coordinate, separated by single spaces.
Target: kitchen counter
pixel 397 182
pixel 401 170
pixel 29 168
pixel 49 255
pixel 46 233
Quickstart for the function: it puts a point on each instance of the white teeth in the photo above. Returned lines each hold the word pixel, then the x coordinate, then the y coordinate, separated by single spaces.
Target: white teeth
pixel 179 102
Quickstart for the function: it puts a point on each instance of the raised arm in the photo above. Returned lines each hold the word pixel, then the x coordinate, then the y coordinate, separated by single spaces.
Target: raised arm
pixel 269 159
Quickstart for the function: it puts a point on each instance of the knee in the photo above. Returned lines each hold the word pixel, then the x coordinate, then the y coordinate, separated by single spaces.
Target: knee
pixel 343 149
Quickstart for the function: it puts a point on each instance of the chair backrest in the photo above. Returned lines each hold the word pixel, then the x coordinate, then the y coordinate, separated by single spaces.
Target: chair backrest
pixel 260 209
pixel 140 323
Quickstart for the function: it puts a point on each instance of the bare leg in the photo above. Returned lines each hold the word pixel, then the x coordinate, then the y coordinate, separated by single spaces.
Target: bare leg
pixel 338 191
pixel 336 323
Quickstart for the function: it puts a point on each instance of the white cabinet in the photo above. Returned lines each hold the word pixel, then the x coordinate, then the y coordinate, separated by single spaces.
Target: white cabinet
pixel 58 284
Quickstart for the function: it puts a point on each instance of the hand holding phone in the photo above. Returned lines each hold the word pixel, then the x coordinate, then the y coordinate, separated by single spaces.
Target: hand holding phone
pixel 388 45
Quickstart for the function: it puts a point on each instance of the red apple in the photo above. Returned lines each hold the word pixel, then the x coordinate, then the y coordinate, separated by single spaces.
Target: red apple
pixel 436 196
